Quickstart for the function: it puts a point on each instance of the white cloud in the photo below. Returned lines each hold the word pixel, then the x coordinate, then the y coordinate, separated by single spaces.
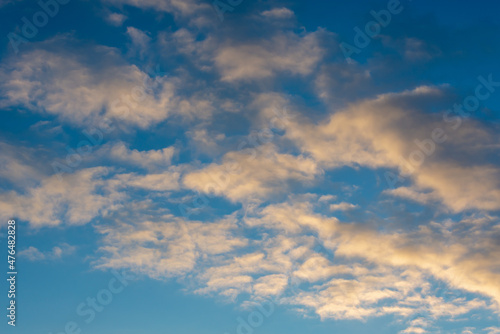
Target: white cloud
pixel 74 199
pixel 102 90
pixel 318 268
pixel 270 285
pixel 327 198
pixel 358 273
pixel 286 251
pixel 251 174
pixel 381 133
pixel 468 330
pixel 206 142
pixel 415 330
pixel 285 53
pixel 167 246
pixel 116 19
pixel 462 262
pixel 342 206
pixel 278 13
pixel 165 181
pixel 151 159
pixel 411 193
pixel 57 252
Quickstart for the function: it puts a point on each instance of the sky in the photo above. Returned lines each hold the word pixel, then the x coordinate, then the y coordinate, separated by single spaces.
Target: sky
pixel 241 167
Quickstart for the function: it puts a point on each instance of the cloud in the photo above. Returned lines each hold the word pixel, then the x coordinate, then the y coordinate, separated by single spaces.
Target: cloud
pixel 342 206
pixel 417 325
pixel 356 273
pixel 166 246
pixel 290 251
pixel 101 87
pixel 318 268
pixel 411 193
pixel 73 200
pixel 102 91
pixel 393 129
pixel 463 262
pixel 150 160
pixel 205 142
pixel 140 42
pixel 197 13
pixel 16 165
pixel 165 181
pixel 412 49
pixel 327 198
pixel 468 330
pixel 270 285
pixel 416 330
pixel 33 254
pixel 354 299
pixel 198 49
pixel 116 19
pixel 251 174
pixel 79 197
pixel 266 267
pixel 283 53
pixel 278 13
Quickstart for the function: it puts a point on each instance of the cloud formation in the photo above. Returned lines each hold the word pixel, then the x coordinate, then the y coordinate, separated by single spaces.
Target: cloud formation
pixel 99 94
pixel 356 272
pixel 288 53
pixel 393 132
pixel 269 133
pixel 57 252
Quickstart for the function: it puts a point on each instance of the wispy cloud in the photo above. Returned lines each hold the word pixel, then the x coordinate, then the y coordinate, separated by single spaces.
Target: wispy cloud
pixel 57 252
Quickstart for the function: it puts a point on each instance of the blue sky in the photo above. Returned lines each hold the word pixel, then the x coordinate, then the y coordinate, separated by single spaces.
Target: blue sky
pixel 251 166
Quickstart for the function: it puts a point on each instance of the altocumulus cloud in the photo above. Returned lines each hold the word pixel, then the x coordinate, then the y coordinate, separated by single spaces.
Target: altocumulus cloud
pixel 266 127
